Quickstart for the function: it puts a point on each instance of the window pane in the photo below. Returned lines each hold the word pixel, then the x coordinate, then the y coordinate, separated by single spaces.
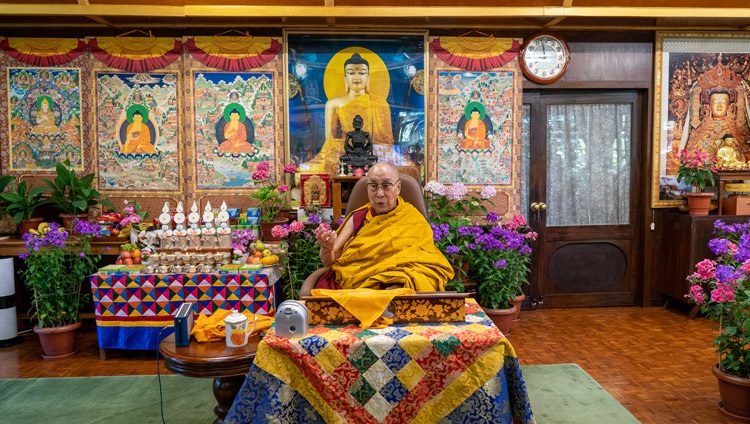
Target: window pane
pixel 588 164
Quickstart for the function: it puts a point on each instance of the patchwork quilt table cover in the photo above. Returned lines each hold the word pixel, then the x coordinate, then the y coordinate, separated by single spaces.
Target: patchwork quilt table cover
pixel 421 373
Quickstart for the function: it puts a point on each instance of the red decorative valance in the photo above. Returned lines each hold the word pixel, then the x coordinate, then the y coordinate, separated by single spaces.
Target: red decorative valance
pixel 233 53
pixel 136 54
pixel 475 53
pixel 43 52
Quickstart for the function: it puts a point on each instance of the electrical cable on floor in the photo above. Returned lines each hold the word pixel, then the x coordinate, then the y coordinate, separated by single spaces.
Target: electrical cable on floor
pixel 158 371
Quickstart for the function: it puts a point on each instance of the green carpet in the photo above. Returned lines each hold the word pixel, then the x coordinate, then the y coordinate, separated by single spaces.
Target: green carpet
pixel 558 393
pixel 566 394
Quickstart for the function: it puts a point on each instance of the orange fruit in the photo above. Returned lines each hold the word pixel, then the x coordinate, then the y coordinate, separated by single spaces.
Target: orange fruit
pixel 136 253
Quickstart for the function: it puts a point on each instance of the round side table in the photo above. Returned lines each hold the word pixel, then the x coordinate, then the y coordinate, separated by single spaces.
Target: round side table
pixel 227 366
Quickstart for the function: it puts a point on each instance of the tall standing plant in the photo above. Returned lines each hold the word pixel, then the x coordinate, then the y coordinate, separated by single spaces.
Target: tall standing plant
pixel 57 264
pixel 303 253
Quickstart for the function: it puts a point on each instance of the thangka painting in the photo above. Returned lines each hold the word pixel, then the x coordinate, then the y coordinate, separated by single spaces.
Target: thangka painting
pixel 234 127
pixel 475 125
pixel 45 118
pixel 137 129
pixel 701 95
pixel 333 78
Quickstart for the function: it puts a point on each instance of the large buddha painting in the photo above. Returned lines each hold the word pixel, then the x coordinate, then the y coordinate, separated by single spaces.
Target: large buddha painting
pixel 702 87
pixel 137 131
pixel 234 127
pixel 45 118
pixel 334 77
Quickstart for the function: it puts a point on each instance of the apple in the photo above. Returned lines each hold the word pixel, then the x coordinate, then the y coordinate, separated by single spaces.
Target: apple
pixel 114 232
pixel 127 261
pixel 137 260
pixel 118 261
pixel 267 252
pixel 126 254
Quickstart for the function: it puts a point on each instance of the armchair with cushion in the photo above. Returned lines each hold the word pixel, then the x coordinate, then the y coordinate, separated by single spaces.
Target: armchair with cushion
pixel 411 191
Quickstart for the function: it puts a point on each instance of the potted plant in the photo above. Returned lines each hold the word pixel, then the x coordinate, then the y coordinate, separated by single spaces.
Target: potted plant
pixel 721 286
pixel 21 202
pixel 303 253
pixel 73 195
pixel 499 259
pixel 697 170
pixel 451 210
pixel 271 197
pixel 57 263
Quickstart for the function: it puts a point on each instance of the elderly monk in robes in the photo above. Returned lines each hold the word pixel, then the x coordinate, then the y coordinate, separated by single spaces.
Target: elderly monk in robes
pixel 383 245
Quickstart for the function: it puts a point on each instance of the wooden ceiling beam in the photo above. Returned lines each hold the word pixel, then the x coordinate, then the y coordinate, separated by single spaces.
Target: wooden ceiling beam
pixel 216 11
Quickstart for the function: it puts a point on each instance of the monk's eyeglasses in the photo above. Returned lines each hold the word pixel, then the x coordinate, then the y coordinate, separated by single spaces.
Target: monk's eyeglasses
pixel 386 187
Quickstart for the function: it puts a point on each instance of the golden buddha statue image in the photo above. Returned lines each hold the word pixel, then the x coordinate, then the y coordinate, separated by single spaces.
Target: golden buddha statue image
pixel 363 93
pixel 717 106
pixel 728 157
pixel 236 137
pixel 45 117
pixel 138 133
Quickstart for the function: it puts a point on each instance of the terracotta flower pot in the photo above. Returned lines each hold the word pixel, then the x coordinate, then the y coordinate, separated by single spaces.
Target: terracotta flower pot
pixel 517 303
pixel 698 203
pixel 69 219
pixel 266 230
pixel 503 318
pixel 735 394
pixel 58 342
pixel 29 224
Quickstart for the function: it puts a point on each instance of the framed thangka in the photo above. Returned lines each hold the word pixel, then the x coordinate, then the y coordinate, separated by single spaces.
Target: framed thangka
pixel 44 118
pixel 234 127
pixel 475 126
pixel 137 128
pixel 332 78
pixel 702 87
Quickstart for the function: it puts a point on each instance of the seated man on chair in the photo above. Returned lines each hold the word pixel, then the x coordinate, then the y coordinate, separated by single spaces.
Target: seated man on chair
pixel 385 244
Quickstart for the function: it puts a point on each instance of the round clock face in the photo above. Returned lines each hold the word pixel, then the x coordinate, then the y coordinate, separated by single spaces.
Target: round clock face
pixel 545 58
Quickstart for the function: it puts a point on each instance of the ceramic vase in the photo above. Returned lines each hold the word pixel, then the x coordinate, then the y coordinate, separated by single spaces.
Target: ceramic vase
pixel 58 342
pixel 266 230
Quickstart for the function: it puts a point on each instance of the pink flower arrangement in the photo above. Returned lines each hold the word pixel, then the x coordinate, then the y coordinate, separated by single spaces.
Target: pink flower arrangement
pixel 270 195
pixel 696 168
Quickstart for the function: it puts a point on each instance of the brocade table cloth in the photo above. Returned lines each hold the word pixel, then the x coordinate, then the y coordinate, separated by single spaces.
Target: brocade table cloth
pixel 421 373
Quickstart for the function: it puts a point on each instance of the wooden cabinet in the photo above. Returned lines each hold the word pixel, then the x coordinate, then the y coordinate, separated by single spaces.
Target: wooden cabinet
pixel 686 240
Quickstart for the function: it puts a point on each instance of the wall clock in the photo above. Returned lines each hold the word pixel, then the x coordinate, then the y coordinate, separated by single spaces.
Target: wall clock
pixel 544 58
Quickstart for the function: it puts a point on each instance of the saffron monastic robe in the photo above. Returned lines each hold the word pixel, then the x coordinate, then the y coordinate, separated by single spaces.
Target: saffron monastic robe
pixel 393 248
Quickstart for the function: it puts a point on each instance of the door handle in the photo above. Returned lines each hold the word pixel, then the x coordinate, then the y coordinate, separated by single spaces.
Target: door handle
pixel 538 206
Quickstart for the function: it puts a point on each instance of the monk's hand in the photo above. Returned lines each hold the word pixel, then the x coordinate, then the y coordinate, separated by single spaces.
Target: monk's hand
pixel 327 239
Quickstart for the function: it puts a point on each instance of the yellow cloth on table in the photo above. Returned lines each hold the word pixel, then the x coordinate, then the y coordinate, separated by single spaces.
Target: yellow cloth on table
pixel 212 328
pixel 366 305
pixel 393 248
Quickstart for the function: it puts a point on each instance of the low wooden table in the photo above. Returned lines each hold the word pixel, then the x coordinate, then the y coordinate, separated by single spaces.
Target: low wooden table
pixel 227 366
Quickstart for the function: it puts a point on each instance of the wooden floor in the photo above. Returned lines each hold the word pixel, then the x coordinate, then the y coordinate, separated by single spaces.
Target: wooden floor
pixel 656 362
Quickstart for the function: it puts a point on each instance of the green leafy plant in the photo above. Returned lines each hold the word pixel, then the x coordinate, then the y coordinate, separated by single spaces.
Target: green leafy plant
pixel 721 286
pixel 72 194
pixel 21 202
pixel 56 265
pixel 303 253
pixel 696 169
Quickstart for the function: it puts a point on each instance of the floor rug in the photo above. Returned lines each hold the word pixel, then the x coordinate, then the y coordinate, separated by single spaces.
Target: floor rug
pixel 566 394
pixel 559 394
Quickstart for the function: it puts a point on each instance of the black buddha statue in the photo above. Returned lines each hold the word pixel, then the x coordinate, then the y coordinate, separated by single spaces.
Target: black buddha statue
pixel 358 147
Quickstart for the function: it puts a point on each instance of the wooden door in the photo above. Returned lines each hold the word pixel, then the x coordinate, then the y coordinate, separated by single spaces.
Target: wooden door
pixel 585 212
